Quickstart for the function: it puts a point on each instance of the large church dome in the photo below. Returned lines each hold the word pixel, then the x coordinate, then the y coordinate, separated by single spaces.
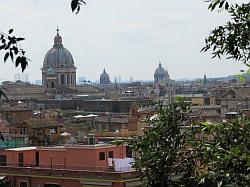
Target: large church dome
pixel 58 56
pixel 161 74
pixel 104 78
pixel 58 69
pixel 160 70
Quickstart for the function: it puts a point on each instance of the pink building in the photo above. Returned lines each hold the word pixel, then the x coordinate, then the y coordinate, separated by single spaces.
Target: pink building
pixel 66 166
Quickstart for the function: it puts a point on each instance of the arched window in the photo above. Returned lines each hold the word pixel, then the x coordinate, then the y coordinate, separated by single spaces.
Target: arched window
pixel 52 84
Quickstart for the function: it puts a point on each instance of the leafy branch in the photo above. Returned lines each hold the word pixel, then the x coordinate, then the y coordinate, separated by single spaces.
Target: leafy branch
pixel 76 5
pixel 11 44
pixel 232 39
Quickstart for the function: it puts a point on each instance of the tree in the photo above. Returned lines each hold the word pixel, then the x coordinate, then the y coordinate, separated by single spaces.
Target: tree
pixel 232 39
pixel 223 153
pixel 162 149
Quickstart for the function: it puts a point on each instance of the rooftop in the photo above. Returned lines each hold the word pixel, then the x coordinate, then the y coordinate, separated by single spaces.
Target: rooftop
pixel 22 149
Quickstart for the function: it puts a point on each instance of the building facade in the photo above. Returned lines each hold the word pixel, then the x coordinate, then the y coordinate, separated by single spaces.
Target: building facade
pixel 68 166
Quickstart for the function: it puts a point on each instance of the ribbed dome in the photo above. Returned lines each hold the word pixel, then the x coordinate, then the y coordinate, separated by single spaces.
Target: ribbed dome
pixel 160 70
pixel 104 78
pixel 58 56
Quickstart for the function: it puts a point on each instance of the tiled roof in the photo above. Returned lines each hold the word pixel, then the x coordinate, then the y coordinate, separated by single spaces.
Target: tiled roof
pixel 39 123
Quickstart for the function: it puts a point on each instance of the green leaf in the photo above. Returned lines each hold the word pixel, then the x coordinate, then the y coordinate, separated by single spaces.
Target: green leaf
pixel 18 61
pixel 10 31
pixel 24 63
pixel 6 56
pixel 15 49
pixel 20 39
pixel 74 4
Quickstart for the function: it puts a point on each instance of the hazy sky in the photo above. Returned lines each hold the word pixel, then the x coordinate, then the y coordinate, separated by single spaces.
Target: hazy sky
pixel 127 37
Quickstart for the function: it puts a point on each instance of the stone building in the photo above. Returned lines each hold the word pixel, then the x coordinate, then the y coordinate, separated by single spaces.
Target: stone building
pixel 235 100
pixel 104 78
pixel 58 67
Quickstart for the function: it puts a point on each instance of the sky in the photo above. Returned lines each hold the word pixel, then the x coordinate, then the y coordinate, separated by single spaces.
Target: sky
pixel 126 37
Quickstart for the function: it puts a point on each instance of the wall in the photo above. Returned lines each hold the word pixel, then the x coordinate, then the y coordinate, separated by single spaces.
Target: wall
pixel 89 105
pixel 54 157
pixel 12 157
pixel 39 182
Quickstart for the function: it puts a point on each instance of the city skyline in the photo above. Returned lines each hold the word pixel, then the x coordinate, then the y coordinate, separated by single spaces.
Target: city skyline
pixel 124 43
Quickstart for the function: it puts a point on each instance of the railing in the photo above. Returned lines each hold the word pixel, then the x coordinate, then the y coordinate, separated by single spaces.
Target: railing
pixel 64 167
pixel 71 173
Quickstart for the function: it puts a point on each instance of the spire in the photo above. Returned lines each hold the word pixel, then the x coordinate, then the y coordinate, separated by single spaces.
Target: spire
pixel 57 39
pixel 104 71
pixel 57 30
pixel 160 64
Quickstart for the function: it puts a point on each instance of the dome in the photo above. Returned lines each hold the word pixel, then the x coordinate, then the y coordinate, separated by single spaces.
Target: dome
pixel 104 78
pixel 58 56
pixel 160 70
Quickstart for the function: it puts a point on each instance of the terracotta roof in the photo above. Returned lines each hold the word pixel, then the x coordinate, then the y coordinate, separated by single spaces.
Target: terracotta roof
pixel 40 123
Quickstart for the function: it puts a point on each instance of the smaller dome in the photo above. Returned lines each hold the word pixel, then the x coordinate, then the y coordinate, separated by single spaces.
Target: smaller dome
pixel 160 70
pixel 104 78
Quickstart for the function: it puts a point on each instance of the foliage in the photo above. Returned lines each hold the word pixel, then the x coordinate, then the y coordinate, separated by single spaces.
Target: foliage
pixel 11 44
pixel 222 151
pixel 232 39
pixel 76 5
pixel 161 148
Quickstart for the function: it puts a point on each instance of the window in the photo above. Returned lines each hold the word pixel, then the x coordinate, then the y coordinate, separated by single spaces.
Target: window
pixel 23 184
pixel 102 156
pixel 24 130
pixel 111 154
pixel 20 159
pixel 3 160
pixel 62 79
pixel 52 84
pixel 53 131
